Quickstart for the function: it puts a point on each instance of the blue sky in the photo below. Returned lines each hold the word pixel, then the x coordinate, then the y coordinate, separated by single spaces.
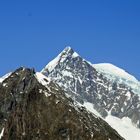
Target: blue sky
pixel 32 32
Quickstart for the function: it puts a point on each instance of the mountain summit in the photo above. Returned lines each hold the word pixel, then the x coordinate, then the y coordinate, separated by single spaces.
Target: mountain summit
pixel 67 53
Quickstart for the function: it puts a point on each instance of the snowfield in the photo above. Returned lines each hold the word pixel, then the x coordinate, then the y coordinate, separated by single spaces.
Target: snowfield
pixel 123 126
pixel 119 75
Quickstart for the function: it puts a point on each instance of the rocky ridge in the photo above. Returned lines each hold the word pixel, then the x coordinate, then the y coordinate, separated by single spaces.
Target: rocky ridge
pixel 33 107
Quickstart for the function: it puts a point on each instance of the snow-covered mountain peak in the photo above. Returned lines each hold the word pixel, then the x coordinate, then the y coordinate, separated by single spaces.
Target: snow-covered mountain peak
pixel 65 54
pixel 110 89
pixel 67 49
pixel 68 52
pixel 110 71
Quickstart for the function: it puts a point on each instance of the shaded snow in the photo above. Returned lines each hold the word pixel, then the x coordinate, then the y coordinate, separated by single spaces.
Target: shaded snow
pixel 89 106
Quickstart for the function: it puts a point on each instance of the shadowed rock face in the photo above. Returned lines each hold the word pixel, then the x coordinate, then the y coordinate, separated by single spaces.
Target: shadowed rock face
pixel 31 111
pixel 84 83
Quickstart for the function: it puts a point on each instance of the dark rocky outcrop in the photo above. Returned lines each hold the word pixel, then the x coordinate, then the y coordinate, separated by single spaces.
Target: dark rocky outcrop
pixel 31 111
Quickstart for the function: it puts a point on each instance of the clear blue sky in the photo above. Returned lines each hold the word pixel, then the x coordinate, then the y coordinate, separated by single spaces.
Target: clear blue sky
pixel 32 32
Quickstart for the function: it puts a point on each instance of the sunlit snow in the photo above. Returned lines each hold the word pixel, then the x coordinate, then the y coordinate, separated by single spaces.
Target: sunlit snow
pixel 123 126
pixel 119 75
pixel 42 79
pixel 4 77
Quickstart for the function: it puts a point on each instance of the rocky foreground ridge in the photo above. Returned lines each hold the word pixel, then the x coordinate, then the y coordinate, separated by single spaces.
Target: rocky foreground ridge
pixel 32 107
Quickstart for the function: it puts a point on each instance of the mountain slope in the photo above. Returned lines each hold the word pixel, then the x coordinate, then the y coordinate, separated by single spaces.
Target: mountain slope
pixel 123 126
pixel 118 75
pixel 83 83
pixel 35 108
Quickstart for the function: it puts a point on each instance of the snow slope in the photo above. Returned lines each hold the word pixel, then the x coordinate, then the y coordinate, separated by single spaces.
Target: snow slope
pixel 4 77
pixel 119 75
pixel 123 126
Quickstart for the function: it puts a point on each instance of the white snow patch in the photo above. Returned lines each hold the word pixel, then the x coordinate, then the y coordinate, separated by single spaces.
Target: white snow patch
pixel 47 94
pixel 1 80
pixel 80 80
pixel 4 77
pixel 40 90
pixel 57 101
pixel 51 65
pixel 128 94
pixel 67 73
pixel 42 79
pixel 2 132
pixel 4 84
pixel 75 55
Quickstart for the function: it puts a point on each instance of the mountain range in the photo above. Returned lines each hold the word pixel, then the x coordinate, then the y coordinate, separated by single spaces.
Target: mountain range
pixel 70 99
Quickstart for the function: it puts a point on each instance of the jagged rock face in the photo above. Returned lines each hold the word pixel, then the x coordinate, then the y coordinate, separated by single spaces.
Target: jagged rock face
pixel 84 82
pixel 32 111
